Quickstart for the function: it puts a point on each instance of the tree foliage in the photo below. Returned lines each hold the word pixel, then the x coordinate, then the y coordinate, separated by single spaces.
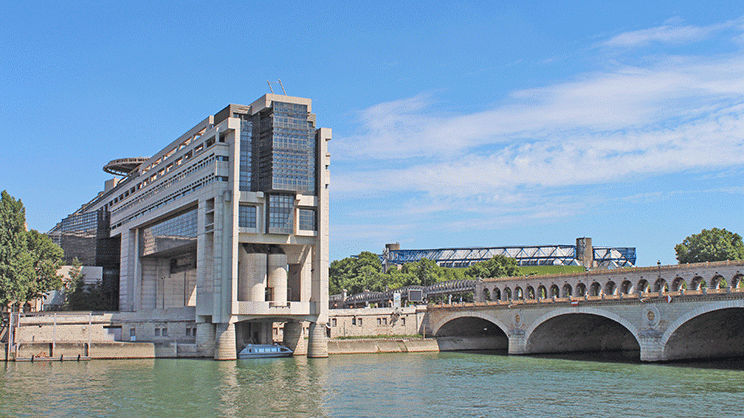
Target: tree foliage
pixel 710 245
pixel 101 296
pixel 357 274
pixel 28 259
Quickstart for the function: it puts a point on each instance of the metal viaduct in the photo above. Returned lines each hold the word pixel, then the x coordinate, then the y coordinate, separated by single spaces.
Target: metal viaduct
pixel 666 313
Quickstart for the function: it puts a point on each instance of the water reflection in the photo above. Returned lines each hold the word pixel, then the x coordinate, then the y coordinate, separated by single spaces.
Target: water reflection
pixel 412 385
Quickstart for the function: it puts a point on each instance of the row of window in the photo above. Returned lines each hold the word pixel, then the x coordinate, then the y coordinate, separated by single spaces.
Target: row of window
pixel 208 161
pixel 247 216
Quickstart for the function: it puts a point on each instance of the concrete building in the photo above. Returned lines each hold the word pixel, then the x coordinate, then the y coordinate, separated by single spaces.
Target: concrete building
pixel 222 233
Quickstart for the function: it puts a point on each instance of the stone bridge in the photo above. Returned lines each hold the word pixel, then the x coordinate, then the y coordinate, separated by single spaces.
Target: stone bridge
pixel 663 313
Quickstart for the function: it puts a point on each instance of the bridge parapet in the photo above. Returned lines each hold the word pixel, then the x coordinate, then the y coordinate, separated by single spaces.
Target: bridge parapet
pixel 611 283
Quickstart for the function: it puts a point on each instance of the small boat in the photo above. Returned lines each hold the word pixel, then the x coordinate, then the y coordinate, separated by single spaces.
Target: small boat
pixel 264 351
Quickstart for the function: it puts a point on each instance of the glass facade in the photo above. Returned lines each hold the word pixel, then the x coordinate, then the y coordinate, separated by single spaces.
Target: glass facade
pixel 293 146
pixel 178 231
pixel 308 220
pixel 278 149
pixel 281 214
pixel 246 154
pixel 247 216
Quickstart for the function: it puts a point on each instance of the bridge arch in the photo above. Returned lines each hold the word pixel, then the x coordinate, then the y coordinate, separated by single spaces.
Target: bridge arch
pixel 621 334
pixel 437 327
pixel 711 330
pixel 626 287
pixel 643 286
pixel 555 291
pixel 581 290
pixel 567 290
pixel 717 282
pixel 610 288
pixel 736 281
pixel 697 283
pixel 678 284
pixel 595 289
pixel 542 292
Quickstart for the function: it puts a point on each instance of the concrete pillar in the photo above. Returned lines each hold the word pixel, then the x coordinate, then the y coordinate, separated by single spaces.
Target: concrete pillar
pixel 251 276
pixel 294 338
pixel 651 348
pixel 225 342
pixel 205 339
pixel 317 341
pixel 517 342
pixel 277 272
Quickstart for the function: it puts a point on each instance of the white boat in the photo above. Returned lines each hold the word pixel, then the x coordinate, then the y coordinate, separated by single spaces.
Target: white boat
pixel 264 351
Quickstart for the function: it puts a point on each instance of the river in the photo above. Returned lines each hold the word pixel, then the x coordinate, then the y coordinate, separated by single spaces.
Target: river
pixel 400 385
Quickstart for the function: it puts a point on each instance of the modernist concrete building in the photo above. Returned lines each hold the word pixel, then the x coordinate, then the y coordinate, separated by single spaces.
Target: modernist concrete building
pixel 222 233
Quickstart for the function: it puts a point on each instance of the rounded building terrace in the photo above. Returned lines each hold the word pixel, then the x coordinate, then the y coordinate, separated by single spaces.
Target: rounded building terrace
pixel 124 166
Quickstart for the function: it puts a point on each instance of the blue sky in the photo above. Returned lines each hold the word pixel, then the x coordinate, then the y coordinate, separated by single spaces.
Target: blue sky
pixel 483 124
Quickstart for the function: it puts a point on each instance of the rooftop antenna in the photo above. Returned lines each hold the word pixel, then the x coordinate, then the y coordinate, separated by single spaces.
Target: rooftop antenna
pixel 280 84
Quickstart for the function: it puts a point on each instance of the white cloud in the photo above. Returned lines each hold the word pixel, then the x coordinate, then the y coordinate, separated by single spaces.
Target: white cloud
pixel 670 33
pixel 539 156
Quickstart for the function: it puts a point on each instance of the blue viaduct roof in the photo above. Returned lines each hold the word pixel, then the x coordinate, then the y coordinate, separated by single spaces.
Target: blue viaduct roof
pixel 535 255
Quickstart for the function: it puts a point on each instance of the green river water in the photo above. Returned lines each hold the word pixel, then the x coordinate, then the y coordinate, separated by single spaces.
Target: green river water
pixel 396 385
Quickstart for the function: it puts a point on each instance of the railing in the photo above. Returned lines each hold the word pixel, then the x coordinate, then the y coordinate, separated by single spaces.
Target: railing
pixel 600 298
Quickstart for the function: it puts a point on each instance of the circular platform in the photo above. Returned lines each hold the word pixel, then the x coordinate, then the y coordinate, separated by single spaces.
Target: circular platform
pixel 124 166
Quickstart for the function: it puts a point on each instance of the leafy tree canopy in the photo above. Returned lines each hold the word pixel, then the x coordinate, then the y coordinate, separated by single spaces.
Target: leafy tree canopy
pixel 357 274
pixel 28 259
pixel 710 245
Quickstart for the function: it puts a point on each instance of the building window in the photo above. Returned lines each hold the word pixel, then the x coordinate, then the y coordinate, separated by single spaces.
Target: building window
pixel 379 321
pixel 353 321
pixel 360 322
pixel 384 321
pixel 175 232
pixel 165 332
pixel 246 154
pixel 247 216
pixel 281 214
pixel 157 332
pixel 333 322
pixel 307 220
pixel 403 321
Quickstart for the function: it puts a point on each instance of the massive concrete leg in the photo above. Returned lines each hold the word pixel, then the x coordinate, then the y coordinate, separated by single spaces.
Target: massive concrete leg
pixel 317 341
pixel 294 339
pixel 225 339
pixel 205 339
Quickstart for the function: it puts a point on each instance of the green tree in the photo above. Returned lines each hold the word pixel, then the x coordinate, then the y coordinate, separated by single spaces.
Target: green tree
pixel 710 245
pixel 47 258
pixel 355 274
pixel 28 259
pixel 498 266
pixel 16 263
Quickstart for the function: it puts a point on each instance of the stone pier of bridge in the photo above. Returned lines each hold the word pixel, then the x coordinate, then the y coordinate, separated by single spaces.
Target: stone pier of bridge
pixel 664 313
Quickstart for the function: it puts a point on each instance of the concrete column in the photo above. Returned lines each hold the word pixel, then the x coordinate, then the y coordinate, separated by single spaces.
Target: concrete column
pixel 317 341
pixel 251 276
pixel 294 338
pixel 517 342
pixel 277 272
pixel 651 348
pixel 205 339
pixel 224 337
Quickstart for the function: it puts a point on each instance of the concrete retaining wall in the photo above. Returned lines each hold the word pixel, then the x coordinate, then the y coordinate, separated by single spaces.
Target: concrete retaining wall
pixel 364 346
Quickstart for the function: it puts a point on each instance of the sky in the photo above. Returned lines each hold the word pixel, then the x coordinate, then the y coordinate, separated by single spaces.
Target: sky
pixel 454 125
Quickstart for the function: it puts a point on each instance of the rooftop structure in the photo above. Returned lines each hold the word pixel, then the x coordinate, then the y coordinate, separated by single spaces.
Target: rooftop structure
pixel 222 233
